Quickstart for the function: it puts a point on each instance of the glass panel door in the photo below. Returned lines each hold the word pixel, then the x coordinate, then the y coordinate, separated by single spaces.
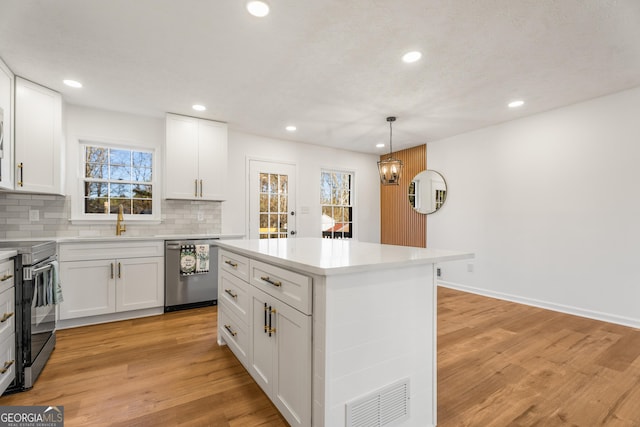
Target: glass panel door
pixel 271 200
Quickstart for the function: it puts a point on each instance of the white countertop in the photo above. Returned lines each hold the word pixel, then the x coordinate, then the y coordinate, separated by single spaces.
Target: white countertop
pixel 7 254
pixel 334 256
pixel 125 238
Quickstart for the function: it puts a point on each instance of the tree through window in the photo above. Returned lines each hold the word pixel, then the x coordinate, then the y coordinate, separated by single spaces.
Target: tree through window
pixel 117 176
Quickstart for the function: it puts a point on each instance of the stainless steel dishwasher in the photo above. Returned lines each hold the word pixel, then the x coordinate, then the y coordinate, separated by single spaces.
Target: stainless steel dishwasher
pixel 188 287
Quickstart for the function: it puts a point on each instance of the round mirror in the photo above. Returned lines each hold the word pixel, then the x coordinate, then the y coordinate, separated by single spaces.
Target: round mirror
pixel 427 192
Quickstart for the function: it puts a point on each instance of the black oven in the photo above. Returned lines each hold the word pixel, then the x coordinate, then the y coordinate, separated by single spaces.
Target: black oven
pixel 35 309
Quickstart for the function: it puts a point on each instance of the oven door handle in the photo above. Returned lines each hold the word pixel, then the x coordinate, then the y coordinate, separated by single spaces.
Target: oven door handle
pixel 30 272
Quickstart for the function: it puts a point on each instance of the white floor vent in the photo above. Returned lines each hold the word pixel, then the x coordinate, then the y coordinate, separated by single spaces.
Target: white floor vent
pixel 386 406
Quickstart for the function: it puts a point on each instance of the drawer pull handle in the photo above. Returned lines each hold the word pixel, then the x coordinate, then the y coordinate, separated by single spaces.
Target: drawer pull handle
pixel 228 328
pixel 234 296
pixel 6 367
pixel 268 280
pixel 6 317
pixel 231 263
pixel 6 277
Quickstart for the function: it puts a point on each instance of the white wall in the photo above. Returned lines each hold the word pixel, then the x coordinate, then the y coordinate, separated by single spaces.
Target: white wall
pixel 90 124
pixel 309 160
pixel 550 204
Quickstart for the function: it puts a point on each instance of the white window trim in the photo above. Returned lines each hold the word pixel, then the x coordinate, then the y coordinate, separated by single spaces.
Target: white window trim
pixel 77 214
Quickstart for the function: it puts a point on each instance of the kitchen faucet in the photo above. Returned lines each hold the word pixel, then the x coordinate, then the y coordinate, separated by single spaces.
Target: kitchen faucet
pixel 120 227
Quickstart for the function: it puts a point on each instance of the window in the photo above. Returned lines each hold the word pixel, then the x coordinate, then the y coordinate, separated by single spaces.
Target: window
pixel 115 176
pixel 336 192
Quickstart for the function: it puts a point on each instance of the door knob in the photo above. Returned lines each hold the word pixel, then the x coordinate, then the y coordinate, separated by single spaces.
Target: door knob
pixel 293 232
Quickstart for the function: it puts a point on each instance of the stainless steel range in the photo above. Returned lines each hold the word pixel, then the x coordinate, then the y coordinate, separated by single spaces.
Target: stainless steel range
pixel 35 309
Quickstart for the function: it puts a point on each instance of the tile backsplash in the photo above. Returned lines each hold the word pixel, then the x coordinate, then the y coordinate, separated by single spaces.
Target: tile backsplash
pixel 36 215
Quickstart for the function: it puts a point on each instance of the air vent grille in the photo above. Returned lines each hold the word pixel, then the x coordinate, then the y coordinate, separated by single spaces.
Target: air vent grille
pixel 380 408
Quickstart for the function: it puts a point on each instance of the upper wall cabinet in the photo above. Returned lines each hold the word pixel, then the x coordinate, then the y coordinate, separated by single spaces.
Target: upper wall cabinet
pixel 6 126
pixel 38 138
pixel 195 159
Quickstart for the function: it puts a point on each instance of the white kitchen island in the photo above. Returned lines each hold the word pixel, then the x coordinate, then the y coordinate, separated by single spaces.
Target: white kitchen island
pixel 364 313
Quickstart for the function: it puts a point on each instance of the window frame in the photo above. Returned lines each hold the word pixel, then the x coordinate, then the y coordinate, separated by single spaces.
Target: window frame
pixel 78 214
pixel 351 233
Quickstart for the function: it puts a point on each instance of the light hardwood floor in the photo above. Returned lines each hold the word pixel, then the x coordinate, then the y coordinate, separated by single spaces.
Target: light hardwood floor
pixel 499 364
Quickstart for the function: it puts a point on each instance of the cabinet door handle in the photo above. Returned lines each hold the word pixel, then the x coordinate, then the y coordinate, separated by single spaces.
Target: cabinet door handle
pixel 21 170
pixel 271 330
pixel 234 296
pixel 200 188
pixel 119 271
pixel 6 277
pixel 231 263
pixel 268 280
pixel 195 181
pixel 6 366
pixel 228 328
pixel 6 317
pixel 265 317
pixel 112 270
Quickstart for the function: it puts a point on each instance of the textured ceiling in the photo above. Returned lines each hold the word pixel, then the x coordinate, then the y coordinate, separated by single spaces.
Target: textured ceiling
pixel 331 67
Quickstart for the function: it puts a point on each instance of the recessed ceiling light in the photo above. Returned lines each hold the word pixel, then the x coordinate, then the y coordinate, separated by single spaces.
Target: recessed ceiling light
pixel 199 107
pixel 258 8
pixel 516 104
pixel 379 145
pixel 291 128
pixel 411 56
pixel 72 83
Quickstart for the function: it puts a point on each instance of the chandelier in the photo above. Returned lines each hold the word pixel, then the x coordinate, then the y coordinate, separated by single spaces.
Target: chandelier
pixel 390 169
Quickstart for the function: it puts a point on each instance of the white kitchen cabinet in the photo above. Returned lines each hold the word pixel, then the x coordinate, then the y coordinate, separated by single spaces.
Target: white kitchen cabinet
pixel 280 355
pixel 38 138
pixel 100 279
pixel 7 324
pixel 233 304
pixel 264 316
pixel 195 159
pixel 6 126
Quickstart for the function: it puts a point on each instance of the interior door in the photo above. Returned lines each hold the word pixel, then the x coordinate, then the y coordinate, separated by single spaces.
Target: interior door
pixel 271 200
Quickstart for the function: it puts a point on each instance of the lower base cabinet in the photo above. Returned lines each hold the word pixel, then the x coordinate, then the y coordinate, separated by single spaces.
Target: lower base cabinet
pixel 7 324
pixel 269 337
pixel 280 359
pixel 103 284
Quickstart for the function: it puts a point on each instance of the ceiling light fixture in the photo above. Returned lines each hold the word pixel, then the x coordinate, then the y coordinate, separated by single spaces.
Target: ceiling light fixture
pixel 258 8
pixel 390 169
pixel 199 107
pixel 291 128
pixel 516 104
pixel 380 145
pixel 410 57
pixel 72 83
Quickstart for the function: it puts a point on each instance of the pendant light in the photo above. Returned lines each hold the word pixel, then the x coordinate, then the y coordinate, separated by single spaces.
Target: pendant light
pixel 390 169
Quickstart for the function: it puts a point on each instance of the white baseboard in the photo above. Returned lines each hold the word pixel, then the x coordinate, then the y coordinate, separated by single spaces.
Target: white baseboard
pixel 106 318
pixel 576 311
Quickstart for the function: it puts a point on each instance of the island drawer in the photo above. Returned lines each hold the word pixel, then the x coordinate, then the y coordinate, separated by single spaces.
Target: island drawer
pixel 233 295
pixel 289 287
pixel 235 334
pixel 235 264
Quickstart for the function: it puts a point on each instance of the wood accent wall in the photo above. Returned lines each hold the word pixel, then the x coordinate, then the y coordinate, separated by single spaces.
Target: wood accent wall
pixel 400 224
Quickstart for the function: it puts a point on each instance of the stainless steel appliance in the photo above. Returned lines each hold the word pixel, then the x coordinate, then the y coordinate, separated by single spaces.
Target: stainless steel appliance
pixel 188 290
pixel 35 317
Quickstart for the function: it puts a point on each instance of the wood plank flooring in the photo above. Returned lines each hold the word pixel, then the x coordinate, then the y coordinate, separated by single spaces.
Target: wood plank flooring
pixel 499 364
pixel 506 364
